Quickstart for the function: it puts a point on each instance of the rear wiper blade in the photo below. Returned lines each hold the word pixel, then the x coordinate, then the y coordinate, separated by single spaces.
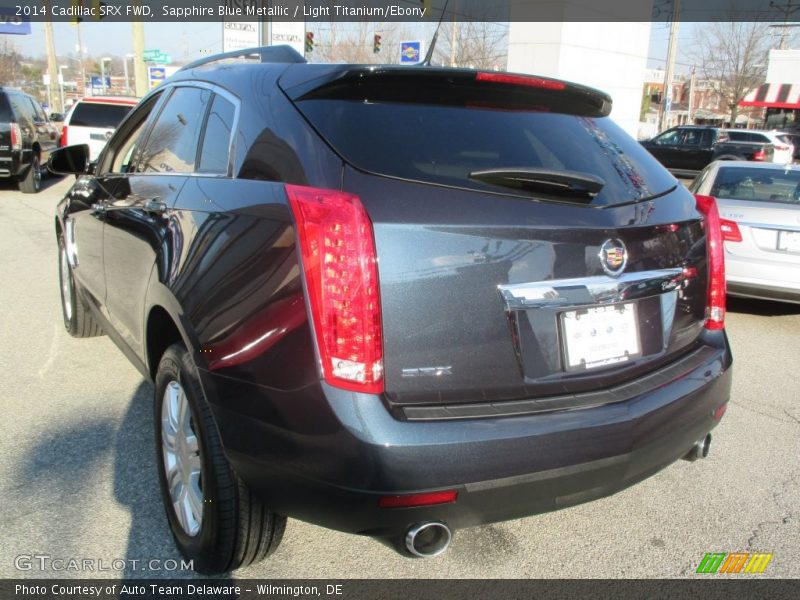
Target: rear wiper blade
pixel 548 180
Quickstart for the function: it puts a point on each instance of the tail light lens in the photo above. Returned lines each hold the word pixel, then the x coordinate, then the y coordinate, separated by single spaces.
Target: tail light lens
pixel 338 255
pixel 759 155
pixel 523 80
pixel 730 231
pixel 715 303
pixel 411 500
pixel 63 141
pixel 16 136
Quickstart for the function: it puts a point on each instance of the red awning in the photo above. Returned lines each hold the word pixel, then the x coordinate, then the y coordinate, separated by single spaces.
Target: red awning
pixel 774 95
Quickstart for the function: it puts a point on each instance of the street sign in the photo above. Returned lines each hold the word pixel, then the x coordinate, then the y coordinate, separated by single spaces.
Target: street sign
pixel 410 53
pixel 148 55
pixel 12 24
pixel 162 58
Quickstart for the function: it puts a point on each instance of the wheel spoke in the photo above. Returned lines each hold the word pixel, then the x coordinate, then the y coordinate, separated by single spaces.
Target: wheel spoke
pixel 195 504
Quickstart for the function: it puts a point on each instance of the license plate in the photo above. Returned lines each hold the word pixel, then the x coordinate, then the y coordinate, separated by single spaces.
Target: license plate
pixel 600 336
pixel 789 241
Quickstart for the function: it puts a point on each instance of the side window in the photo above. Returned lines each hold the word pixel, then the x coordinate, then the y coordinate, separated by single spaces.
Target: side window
pixel 22 107
pixel 171 146
pixel 122 152
pixel 214 154
pixel 668 138
pixel 37 110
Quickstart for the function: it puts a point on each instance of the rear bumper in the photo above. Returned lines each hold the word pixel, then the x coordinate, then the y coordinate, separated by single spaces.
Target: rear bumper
pixel 330 466
pixel 762 279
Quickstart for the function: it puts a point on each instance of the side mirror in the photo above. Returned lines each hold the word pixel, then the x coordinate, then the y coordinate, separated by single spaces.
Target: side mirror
pixel 56 117
pixel 70 160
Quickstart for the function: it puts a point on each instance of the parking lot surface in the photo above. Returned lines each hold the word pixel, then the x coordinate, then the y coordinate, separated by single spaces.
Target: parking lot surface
pixel 78 478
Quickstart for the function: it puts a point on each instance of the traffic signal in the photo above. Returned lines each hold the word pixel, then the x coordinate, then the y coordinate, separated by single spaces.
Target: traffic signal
pixel 376 44
pixel 309 41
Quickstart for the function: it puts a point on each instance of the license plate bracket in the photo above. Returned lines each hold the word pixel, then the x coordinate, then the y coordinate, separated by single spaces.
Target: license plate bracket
pixel 599 336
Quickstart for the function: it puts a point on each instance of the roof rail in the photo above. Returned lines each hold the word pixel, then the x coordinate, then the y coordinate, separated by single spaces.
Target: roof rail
pixel 266 54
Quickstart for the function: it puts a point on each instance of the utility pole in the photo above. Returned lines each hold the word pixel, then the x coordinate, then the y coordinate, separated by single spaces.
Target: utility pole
pixel 82 88
pixel 141 83
pixel 788 10
pixel 690 115
pixel 52 67
pixel 666 99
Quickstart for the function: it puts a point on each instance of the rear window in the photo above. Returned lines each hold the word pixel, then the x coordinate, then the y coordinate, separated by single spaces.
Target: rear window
pixel 761 185
pixel 443 144
pixel 91 114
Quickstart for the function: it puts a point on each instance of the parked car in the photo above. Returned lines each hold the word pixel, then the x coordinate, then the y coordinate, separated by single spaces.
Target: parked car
pixel 686 150
pixel 26 139
pixel 93 119
pixel 793 138
pixel 393 301
pixel 784 149
pixel 760 209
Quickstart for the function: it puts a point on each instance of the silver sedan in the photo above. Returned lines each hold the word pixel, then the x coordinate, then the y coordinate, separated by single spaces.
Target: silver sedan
pixel 759 207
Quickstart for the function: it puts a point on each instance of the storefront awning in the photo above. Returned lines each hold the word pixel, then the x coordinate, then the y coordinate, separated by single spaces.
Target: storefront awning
pixel 774 95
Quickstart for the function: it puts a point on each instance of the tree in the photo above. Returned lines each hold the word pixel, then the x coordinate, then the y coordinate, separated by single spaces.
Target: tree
pixel 733 54
pixel 10 64
pixel 473 44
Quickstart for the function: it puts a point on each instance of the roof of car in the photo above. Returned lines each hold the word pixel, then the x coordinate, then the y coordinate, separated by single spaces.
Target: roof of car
pixel 129 100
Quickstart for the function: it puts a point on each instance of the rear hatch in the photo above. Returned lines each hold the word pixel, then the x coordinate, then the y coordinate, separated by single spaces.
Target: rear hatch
pixel 93 123
pixel 765 205
pixel 531 254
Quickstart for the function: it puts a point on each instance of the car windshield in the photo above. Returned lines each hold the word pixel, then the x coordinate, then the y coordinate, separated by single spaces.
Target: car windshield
pixel 92 114
pixel 756 184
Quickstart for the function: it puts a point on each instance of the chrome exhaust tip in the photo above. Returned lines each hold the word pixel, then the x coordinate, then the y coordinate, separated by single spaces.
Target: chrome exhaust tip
pixel 699 450
pixel 426 540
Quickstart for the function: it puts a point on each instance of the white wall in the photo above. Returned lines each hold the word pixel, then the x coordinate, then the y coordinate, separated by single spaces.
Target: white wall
pixel 783 66
pixel 611 57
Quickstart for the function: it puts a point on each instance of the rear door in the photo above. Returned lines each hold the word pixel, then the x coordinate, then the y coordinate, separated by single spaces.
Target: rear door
pixel 503 276
pixel 45 134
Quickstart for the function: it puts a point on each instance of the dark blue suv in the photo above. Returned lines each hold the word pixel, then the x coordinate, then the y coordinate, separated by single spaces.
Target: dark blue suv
pixel 393 301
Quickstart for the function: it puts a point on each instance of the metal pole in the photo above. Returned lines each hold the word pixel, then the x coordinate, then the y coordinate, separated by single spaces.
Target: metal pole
pixel 125 69
pixel 61 86
pixel 80 58
pixel 691 97
pixel 666 99
pixel 103 76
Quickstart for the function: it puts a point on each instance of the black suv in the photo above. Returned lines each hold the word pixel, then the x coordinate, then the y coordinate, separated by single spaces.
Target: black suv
pixel 26 139
pixel 393 301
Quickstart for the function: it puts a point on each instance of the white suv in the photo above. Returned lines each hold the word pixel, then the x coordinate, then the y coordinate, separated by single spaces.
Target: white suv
pixel 783 150
pixel 92 120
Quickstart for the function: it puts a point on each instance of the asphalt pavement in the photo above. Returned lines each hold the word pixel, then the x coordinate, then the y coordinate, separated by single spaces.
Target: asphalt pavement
pixel 78 479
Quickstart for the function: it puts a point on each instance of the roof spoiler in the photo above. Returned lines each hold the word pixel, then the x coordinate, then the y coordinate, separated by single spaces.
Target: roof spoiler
pixel 265 54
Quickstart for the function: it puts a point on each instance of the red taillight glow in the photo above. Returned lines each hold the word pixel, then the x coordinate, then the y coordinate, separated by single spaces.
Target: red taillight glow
pixel 16 136
pixel 63 141
pixel 730 231
pixel 525 80
pixel 338 257
pixel 720 411
pixel 759 155
pixel 411 500
pixel 715 304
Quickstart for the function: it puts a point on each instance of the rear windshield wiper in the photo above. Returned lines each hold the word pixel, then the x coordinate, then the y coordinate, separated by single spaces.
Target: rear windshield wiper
pixel 558 183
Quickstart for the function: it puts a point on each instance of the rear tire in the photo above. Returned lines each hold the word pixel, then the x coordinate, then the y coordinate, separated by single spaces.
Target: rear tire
pixel 78 319
pixel 217 522
pixel 32 182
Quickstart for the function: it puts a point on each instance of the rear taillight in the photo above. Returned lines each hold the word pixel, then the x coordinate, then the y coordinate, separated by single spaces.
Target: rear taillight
pixel 715 303
pixel 16 137
pixel 525 80
pixel 759 155
pixel 730 231
pixel 338 257
pixel 63 141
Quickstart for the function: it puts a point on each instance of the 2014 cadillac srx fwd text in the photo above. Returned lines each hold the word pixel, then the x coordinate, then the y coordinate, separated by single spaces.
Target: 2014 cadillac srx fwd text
pixel 393 301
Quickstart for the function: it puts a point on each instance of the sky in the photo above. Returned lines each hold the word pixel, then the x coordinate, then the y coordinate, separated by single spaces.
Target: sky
pixel 185 41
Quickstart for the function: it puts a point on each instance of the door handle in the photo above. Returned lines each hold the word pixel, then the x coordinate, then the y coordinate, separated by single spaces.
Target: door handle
pixel 155 205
